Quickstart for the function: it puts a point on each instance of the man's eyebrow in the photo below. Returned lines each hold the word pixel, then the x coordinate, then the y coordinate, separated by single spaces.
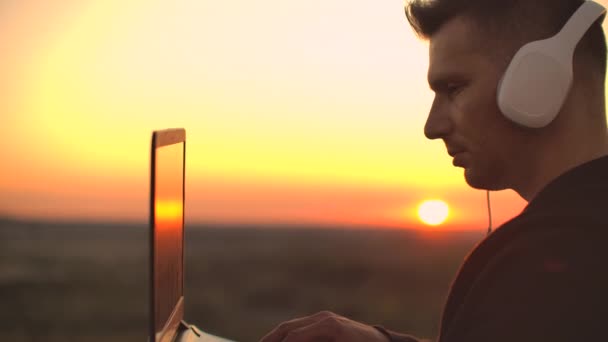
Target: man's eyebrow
pixel 440 81
pixel 436 84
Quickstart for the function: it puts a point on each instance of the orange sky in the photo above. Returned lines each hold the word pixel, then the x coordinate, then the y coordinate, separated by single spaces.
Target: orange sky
pixel 296 111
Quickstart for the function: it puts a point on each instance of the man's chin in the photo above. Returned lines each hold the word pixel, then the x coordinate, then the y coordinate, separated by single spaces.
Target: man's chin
pixel 481 181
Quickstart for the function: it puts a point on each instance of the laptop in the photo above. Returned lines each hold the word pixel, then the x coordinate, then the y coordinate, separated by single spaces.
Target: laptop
pixel 166 242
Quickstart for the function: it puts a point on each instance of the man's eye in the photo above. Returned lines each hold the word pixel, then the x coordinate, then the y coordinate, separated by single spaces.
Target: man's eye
pixel 453 89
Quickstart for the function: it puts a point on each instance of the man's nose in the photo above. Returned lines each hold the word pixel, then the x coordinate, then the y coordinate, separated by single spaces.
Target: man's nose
pixel 438 123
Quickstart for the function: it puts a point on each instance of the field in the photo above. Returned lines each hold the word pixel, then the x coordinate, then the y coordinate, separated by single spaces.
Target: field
pixel 88 282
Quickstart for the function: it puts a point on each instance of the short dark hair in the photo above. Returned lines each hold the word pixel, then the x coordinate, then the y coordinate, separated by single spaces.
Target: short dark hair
pixel 509 23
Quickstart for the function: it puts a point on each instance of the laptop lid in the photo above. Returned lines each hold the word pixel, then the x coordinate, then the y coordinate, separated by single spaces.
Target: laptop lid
pixel 166 244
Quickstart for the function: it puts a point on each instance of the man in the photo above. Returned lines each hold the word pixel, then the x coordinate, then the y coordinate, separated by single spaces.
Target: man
pixel 543 275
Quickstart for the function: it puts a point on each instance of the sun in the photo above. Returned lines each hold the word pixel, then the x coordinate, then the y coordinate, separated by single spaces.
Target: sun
pixel 433 212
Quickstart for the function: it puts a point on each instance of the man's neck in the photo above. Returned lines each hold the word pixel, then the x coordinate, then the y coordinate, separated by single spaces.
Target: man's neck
pixel 560 155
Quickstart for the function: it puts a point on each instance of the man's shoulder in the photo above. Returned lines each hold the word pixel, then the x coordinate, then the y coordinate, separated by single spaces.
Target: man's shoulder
pixel 536 273
pixel 568 234
pixel 548 219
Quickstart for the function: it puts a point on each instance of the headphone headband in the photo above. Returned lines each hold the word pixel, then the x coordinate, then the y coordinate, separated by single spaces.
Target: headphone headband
pixel 578 24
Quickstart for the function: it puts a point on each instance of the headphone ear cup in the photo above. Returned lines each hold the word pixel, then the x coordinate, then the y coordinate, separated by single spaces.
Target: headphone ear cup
pixel 534 86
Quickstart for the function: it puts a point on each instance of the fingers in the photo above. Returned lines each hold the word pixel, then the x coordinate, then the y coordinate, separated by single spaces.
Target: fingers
pixel 324 326
pixel 281 332
pixel 324 330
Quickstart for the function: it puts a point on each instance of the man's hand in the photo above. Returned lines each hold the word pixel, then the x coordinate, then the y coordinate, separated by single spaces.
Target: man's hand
pixel 324 326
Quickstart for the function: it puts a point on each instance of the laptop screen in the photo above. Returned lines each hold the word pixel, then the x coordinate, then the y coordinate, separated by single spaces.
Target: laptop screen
pixel 167 233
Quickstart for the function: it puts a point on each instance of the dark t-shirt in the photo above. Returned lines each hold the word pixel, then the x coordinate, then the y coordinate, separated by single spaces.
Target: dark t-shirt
pixel 543 276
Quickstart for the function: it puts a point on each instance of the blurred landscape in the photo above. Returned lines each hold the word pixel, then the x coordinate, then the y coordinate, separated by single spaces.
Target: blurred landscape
pixel 88 282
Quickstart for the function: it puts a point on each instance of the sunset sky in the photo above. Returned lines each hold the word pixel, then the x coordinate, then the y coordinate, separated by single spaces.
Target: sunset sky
pixel 305 112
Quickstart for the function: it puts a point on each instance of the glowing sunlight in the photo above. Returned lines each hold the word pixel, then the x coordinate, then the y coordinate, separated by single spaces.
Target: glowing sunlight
pixel 433 212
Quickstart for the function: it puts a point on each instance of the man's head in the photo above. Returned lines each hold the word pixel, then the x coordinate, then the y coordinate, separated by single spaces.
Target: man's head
pixel 503 26
pixel 471 45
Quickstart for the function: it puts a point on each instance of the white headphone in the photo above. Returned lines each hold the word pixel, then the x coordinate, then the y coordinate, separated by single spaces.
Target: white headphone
pixel 538 79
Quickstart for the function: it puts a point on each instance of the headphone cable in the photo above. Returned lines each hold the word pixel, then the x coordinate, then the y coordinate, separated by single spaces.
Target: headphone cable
pixel 489 212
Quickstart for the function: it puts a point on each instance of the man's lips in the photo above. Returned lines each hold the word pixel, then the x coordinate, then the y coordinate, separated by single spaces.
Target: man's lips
pixel 454 152
pixel 457 154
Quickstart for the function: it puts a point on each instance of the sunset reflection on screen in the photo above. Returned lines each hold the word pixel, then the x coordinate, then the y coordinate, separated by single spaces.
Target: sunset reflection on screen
pixel 168 232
